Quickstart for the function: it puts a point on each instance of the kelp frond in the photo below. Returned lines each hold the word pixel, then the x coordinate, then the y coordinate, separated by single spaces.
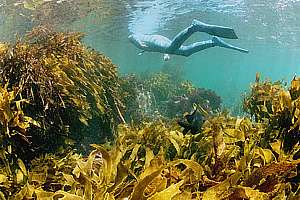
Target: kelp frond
pixel 52 85
pixel 156 161
pixel 279 106
pixel 60 86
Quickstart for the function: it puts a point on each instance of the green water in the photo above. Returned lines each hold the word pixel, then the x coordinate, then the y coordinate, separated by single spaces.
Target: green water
pixel 270 30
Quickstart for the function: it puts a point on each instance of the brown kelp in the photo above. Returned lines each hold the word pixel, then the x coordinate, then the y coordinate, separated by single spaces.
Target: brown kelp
pixel 63 86
pixel 163 95
pixel 157 161
pixel 279 105
pixel 54 89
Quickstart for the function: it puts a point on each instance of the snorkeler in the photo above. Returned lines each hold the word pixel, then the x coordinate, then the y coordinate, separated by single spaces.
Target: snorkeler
pixel 159 43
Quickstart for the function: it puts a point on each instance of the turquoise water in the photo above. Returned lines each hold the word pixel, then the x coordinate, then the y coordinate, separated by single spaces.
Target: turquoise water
pixel 270 30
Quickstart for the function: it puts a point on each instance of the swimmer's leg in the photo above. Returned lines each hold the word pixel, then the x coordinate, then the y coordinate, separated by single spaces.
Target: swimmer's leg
pixel 198 26
pixel 193 48
pixel 220 43
pixel 199 46
pixel 181 37
pixel 221 31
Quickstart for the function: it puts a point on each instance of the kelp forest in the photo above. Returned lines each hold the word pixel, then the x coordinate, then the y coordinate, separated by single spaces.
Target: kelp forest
pixel 73 128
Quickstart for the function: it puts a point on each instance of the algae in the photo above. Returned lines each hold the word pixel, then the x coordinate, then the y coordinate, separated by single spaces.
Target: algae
pixel 61 87
pixel 163 95
pixel 50 78
pixel 138 166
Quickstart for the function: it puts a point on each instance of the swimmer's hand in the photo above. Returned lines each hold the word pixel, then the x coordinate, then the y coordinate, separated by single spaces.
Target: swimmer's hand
pixel 166 57
pixel 141 53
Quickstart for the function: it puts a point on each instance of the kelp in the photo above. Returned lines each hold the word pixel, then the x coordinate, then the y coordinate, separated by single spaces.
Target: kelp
pixel 279 106
pixel 108 173
pixel 163 95
pixel 61 86
pixel 175 96
pixel 156 161
pixel 54 87
pixel 13 126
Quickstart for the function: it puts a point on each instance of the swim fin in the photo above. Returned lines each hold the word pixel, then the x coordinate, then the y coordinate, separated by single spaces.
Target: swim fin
pixel 220 43
pixel 220 31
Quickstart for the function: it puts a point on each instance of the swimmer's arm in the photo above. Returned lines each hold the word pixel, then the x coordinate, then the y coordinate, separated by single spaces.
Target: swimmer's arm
pixel 141 43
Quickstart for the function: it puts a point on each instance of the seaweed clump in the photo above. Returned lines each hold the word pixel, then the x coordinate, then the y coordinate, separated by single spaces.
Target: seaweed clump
pixel 279 106
pixel 53 89
pixel 61 87
pixel 157 161
pixel 164 96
